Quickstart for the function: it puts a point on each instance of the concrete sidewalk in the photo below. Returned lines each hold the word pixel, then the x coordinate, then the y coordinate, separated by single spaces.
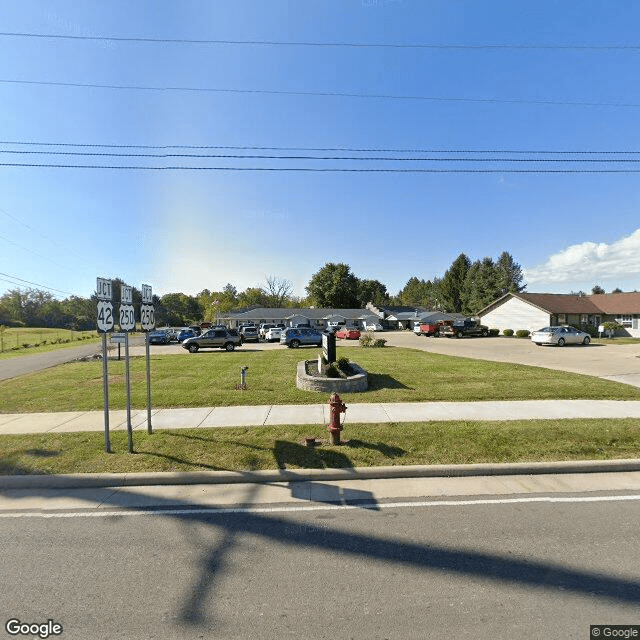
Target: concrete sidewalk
pixel 317 414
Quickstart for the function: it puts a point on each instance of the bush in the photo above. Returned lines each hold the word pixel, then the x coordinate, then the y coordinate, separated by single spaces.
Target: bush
pixel 507 332
pixel 494 332
pixel 366 340
pixel 379 343
pixel 344 366
pixel 332 371
pixel 522 333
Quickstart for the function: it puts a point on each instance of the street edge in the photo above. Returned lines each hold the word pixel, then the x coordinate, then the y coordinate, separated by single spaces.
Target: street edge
pixel 93 480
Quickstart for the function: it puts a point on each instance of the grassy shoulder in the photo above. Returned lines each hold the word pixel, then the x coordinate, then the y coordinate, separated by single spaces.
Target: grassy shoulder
pixel 15 342
pixel 210 379
pixel 251 449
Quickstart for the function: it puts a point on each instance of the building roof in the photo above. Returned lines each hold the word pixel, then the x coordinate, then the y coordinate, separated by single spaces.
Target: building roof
pixel 607 303
pixel 617 303
pixel 286 312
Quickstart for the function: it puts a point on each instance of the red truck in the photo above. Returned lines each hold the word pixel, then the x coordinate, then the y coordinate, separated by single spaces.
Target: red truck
pixel 433 328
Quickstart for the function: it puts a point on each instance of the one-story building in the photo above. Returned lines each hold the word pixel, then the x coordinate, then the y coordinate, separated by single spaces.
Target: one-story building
pixel 535 310
pixel 316 318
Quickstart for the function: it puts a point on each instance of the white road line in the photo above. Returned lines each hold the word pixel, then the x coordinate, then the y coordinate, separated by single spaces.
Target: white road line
pixel 368 505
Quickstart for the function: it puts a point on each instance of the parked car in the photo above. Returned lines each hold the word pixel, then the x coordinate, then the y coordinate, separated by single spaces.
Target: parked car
pixel 227 339
pixel 262 331
pixel 273 334
pixel 295 336
pixel 159 336
pixel 462 328
pixel 186 333
pixel 249 334
pixel 560 336
pixel 348 334
pixel 373 326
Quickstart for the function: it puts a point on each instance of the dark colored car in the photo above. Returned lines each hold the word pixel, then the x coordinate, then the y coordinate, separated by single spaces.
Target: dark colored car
pixel 227 339
pixel 249 334
pixel 159 336
pixel 296 336
pixel 186 333
pixel 463 328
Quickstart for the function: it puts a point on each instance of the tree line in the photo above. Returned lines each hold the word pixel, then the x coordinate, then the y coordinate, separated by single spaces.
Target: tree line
pixel 466 287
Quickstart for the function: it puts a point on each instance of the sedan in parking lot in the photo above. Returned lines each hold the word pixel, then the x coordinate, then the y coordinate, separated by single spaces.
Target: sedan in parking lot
pixel 348 334
pixel 560 336
pixel 159 336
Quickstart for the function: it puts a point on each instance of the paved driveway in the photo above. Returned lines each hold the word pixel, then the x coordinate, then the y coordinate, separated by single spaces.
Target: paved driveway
pixel 620 363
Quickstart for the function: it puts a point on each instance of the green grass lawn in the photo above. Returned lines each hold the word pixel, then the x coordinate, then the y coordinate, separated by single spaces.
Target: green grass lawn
pixel 250 449
pixel 22 341
pixel 209 379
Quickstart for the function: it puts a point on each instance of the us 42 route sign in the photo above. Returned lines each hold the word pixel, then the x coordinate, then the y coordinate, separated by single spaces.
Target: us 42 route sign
pixel 105 315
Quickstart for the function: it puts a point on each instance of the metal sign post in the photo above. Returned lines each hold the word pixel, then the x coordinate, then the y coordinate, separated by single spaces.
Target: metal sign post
pixel 127 323
pixel 105 324
pixel 105 387
pixel 147 319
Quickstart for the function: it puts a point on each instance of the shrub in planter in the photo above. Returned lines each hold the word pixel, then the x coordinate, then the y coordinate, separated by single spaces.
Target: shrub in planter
pixel 494 332
pixel 332 371
pixel 507 332
pixel 522 333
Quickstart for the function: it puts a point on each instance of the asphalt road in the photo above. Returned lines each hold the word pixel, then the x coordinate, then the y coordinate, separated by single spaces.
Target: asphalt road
pixel 461 568
pixel 21 365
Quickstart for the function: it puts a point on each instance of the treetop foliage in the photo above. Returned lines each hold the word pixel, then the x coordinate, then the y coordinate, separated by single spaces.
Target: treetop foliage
pixel 465 287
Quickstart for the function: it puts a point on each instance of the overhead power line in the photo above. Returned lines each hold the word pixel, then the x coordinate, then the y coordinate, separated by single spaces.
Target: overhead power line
pixel 35 284
pixel 356 45
pixel 311 169
pixel 325 149
pixel 328 94
pixel 582 158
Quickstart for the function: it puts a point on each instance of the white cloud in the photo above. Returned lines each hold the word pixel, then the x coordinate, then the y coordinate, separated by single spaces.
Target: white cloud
pixel 591 262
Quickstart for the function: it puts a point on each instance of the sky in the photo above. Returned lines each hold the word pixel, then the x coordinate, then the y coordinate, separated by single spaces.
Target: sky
pixel 398 134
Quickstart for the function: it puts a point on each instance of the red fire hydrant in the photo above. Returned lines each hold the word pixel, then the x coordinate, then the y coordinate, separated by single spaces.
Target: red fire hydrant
pixel 336 407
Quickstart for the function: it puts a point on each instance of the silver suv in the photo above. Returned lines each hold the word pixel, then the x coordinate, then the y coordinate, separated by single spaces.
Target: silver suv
pixel 295 336
pixel 227 339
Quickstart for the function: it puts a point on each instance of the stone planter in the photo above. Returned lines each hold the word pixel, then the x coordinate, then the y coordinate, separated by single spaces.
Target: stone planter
pixel 352 384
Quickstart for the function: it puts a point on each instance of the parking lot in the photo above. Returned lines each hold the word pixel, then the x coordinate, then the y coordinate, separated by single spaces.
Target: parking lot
pixel 620 363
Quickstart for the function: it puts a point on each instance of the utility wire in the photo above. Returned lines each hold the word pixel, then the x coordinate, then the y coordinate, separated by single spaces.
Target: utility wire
pixel 310 169
pixel 35 284
pixel 329 94
pixel 326 149
pixel 359 45
pixel 322 158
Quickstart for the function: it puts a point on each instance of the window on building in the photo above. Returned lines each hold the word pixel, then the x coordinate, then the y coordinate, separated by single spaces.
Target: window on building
pixel 625 320
pixel 562 318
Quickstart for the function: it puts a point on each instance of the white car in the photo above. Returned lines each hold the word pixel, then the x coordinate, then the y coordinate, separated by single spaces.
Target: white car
pixel 273 334
pixel 373 326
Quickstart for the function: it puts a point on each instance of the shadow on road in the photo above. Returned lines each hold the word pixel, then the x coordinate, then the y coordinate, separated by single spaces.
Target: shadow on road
pixel 233 523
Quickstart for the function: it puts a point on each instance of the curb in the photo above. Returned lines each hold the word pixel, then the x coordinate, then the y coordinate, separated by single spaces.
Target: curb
pixel 97 480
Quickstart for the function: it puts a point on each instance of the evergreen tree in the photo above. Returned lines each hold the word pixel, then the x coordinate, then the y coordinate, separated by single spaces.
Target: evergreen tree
pixel 452 284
